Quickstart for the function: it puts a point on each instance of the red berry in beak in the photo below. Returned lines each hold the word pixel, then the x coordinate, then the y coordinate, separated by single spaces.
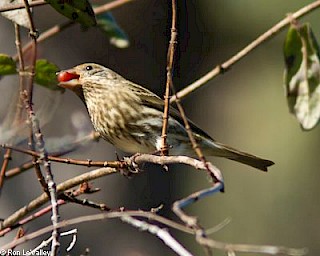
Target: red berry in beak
pixel 65 76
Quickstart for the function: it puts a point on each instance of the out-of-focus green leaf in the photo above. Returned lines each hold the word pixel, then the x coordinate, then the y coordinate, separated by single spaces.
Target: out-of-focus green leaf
pixel 7 65
pixel 302 75
pixel 76 10
pixel 19 16
pixel 46 75
pixel 108 24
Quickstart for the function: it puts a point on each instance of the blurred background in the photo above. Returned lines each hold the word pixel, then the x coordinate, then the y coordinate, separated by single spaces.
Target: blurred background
pixel 244 108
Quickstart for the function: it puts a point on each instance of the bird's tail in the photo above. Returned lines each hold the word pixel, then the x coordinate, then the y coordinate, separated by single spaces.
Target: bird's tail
pixel 222 150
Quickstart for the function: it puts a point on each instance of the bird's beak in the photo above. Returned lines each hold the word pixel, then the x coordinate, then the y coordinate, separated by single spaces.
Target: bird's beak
pixel 69 79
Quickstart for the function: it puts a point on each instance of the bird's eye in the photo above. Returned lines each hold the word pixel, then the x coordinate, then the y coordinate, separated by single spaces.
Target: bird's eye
pixel 88 68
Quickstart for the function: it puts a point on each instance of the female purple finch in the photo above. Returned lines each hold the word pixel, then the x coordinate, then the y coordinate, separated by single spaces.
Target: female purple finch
pixel 130 117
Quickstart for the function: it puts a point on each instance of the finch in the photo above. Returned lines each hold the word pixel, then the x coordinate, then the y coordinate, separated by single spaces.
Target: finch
pixel 130 116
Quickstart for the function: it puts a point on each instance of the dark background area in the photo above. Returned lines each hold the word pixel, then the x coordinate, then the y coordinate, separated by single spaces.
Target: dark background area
pixel 245 108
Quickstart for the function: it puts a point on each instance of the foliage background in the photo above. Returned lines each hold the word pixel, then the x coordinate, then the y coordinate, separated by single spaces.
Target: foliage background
pixel 244 108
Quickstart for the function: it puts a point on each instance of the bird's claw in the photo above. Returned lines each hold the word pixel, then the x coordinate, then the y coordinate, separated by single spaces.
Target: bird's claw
pixel 132 166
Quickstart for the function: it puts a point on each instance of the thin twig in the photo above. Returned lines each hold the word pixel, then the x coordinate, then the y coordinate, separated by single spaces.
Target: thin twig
pixel 85 202
pixel 30 218
pixel 43 198
pixel 45 210
pixel 17 119
pixel 45 243
pixel 245 51
pixel 29 89
pixel 58 28
pixel 93 136
pixel 101 216
pixel 263 249
pixel 36 132
pixel 88 163
pixel 111 5
pixel 19 108
pixel 248 248
pixel 43 157
pixel 33 34
pixel 162 233
pixel 136 159
pixel 178 205
pixel 95 174
pixel 6 159
pixel 170 58
pixel 12 7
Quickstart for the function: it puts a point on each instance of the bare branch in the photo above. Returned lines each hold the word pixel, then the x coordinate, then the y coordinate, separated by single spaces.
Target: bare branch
pixel 170 57
pixel 162 233
pixel 95 174
pixel 42 199
pixel 11 7
pixel 245 51
pixel 43 157
pixel 93 136
pixel 262 249
pixel 58 28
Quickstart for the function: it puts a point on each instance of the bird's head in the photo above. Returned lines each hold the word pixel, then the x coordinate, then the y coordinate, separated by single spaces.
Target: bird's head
pixel 83 75
pixel 76 76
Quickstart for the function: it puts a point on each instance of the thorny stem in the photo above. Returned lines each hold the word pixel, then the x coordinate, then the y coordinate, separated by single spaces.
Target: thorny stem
pixel 35 131
pixel 170 58
pixel 88 163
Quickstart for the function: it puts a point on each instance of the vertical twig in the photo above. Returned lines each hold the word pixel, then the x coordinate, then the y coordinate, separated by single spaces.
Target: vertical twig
pixel 11 7
pixel 58 28
pixel 170 57
pixel 6 159
pixel 49 177
pixel 22 74
pixel 33 34
pixel 17 119
pixel 219 69
pixel 193 141
pixel 178 205
pixel 36 132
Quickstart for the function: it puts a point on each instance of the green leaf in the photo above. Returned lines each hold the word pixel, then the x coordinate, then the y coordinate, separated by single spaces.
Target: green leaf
pixel 46 75
pixel 7 65
pixel 302 75
pixel 76 10
pixel 108 24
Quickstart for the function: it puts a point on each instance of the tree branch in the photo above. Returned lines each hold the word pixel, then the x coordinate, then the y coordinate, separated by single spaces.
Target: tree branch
pixel 245 51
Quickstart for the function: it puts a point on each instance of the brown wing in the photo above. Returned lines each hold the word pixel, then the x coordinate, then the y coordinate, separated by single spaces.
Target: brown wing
pixel 152 100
